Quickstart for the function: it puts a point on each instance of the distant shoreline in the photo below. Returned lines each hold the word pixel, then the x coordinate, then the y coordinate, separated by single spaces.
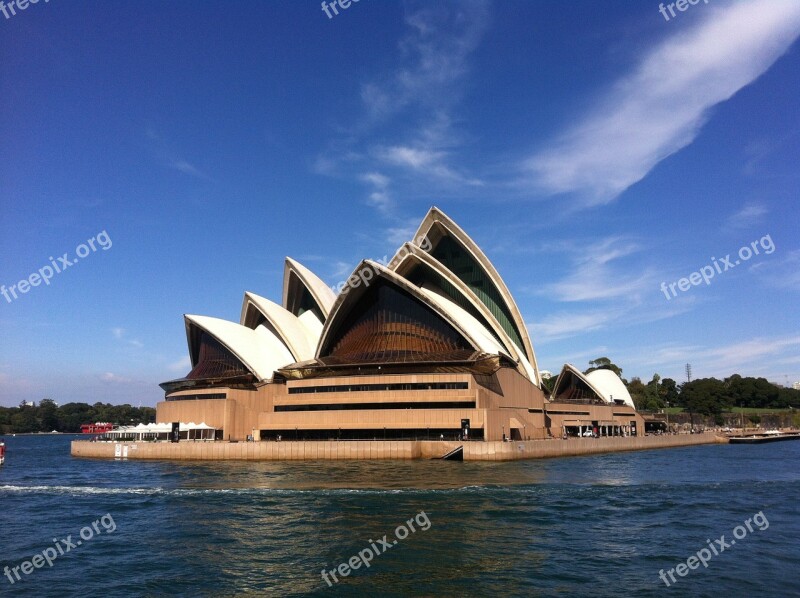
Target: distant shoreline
pixel 43 434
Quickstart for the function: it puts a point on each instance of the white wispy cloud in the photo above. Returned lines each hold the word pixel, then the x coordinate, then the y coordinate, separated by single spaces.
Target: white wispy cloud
pixel 187 168
pixel 426 161
pixel 397 235
pixel 593 276
pixel 114 378
pixel 745 352
pixel 746 357
pixel 435 59
pixel 660 107
pixel 749 214
pixel 171 158
pixel 417 159
pixel 586 284
pixel 380 197
pixel 121 333
pixel 781 273
pixel 419 95
pixel 341 270
pixel 568 324
pixel 576 358
pixel 613 298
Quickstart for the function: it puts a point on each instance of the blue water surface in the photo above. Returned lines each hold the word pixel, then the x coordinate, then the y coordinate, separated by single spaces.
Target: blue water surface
pixel 602 525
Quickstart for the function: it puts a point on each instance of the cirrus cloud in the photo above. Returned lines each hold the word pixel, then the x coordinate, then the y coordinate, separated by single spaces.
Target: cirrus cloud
pixel 660 107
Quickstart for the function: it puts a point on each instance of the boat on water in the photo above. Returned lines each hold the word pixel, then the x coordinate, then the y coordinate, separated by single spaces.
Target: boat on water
pixel 2 452
pixel 770 436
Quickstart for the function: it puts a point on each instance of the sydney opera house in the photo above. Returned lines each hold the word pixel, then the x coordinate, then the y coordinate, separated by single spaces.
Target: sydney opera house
pixel 431 345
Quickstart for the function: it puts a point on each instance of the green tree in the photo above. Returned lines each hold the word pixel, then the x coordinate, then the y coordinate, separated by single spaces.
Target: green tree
pixel 788 397
pixel 48 415
pixel 5 419
pixel 72 415
pixel 604 363
pixel 704 396
pixel 646 397
pixel 25 421
pixel 638 392
pixel 751 392
pixel 668 391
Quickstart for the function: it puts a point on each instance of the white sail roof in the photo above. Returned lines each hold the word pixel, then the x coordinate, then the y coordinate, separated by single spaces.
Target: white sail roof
pixel 438 224
pixel 321 293
pixel 610 386
pixel 259 350
pixel 298 337
pixel 604 383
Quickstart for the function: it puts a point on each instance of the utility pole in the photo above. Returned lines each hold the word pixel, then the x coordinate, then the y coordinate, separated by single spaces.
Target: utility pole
pixel 689 379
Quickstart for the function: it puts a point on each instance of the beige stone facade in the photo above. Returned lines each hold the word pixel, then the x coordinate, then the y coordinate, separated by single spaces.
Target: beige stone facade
pixel 381 450
pixel 504 404
pixel 603 420
pixel 510 405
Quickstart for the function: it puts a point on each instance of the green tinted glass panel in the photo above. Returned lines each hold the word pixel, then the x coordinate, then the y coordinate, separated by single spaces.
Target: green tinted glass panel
pixel 423 274
pixel 461 263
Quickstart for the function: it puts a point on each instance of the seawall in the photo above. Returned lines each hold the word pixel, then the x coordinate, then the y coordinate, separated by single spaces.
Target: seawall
pixel 380 449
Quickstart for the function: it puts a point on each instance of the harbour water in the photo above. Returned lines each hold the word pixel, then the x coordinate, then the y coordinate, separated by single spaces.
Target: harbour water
pixel 602 525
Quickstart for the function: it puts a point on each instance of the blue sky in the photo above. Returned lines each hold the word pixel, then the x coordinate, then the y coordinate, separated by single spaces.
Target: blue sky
pixel 593 149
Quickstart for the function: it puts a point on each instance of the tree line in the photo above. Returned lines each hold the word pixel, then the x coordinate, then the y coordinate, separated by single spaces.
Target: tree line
pixel 47 416
pixel 704 396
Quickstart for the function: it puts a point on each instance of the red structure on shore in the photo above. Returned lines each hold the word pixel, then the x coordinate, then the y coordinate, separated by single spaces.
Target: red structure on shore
pixel 96 428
